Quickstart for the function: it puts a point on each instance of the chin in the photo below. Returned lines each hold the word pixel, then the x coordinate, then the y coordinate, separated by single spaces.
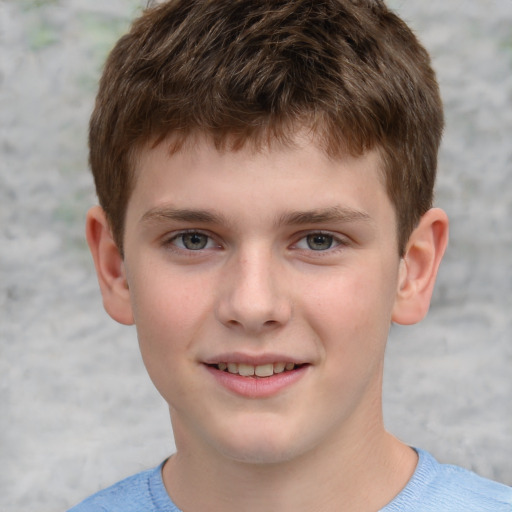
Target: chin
pixel 261 455
pixel 261 446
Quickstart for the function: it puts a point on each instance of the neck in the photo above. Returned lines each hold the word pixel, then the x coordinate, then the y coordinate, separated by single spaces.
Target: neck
pixel 338 476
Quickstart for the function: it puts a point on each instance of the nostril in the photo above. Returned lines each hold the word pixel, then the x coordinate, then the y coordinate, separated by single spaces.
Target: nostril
pixel 252 313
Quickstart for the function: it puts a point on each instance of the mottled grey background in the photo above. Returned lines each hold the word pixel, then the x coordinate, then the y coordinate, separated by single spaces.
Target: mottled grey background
pixel 77 409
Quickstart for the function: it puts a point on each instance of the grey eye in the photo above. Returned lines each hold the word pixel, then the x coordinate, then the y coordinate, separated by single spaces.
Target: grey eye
pixel 193 241
pixel 319 242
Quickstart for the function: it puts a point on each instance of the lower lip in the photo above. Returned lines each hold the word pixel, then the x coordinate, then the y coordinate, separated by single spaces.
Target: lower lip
pixel 257 387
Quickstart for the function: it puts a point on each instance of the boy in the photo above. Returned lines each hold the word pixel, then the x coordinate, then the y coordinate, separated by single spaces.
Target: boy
pixel 265 171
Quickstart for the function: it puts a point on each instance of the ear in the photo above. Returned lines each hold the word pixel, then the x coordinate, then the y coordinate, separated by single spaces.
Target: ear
pixel 109 267
pixel 418 267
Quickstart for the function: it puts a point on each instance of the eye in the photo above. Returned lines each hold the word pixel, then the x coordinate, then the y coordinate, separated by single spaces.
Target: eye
pixel 318 242
pixel 192 241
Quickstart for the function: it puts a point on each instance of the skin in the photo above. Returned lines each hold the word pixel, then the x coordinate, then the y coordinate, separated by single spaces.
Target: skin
pixel 280 255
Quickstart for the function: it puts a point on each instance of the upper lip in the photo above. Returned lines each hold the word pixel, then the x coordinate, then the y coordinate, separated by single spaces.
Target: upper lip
pixel 253 359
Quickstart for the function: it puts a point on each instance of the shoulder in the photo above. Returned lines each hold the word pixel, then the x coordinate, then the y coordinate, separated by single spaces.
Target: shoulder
pixel 143 491
pixel 437 487
pixel 474 488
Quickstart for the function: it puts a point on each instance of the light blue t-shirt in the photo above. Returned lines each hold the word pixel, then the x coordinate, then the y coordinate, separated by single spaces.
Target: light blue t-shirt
pixel 434 487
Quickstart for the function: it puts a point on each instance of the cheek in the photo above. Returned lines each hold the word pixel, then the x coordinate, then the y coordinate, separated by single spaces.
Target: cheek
pixel 166 318
pixel 169 311
pixel 166 302
pixel 351 309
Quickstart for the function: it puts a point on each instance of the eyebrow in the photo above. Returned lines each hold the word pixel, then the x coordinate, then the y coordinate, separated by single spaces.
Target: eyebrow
pixel 318 216
pixel 159 214
pixel 332 214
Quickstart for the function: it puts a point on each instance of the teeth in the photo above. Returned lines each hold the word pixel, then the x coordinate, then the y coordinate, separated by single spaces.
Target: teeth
pixel 279 367
pixel 246 370
pixel 264 370
pixel 249 370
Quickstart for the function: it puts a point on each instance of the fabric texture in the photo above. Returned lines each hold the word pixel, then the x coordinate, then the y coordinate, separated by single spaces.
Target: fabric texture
pixel 434 487
pixel 438 487
pixel 143 492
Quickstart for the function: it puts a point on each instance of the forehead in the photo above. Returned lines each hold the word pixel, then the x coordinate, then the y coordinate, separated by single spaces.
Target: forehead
pixel 297 180
pixel 289 143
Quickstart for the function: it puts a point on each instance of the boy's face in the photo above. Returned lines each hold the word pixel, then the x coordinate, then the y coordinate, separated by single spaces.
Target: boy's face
pixel 255 260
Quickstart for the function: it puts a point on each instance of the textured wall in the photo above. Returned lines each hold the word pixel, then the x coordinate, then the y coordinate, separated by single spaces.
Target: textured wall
pixel 78 411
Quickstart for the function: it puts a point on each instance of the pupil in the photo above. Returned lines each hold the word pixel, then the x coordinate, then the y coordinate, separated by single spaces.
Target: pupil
pixel 194 241
pixel 319 242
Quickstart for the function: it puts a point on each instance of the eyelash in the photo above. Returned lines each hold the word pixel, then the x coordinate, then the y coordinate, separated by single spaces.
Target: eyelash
pixel 170 241
pixel 337 243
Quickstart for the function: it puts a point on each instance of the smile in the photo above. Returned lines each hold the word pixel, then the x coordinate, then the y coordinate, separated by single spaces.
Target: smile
pixel 249 370
pixel 259 380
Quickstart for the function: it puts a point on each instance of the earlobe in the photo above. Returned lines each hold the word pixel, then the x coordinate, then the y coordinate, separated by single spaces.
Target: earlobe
pixel 109 267
pixel 419 266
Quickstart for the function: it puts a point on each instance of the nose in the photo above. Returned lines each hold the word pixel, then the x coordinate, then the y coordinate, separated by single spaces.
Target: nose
pixel 252 297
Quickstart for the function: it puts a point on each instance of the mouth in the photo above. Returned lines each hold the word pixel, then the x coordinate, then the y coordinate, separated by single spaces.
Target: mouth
pixel 261 371
pixel 259 378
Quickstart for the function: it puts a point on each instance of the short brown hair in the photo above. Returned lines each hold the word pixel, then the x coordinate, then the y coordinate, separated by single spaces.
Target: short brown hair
pixel 258 70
